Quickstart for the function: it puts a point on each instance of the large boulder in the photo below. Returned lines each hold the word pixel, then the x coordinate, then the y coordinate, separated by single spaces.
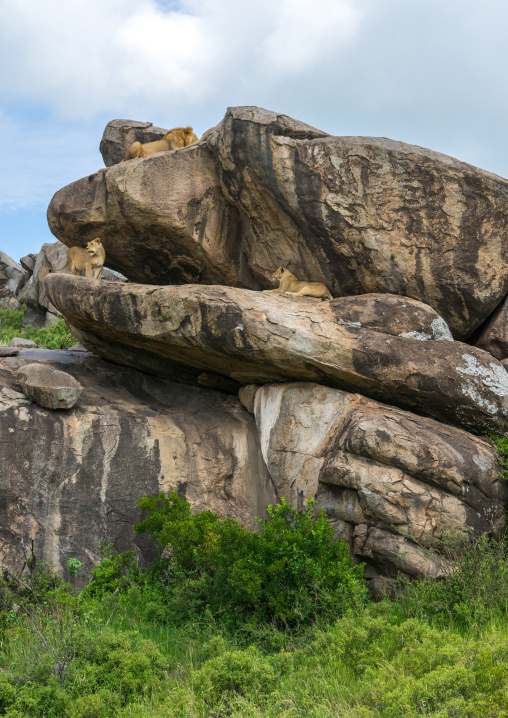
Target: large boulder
pixel 12 279
pixel 392 483
pixel 120 134
pixel 71 479
pixel 49 387
pixel 253 337
pixel 361 214
pixel 162 219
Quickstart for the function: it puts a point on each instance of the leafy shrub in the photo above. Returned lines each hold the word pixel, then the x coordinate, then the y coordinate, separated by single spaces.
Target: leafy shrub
pixel 116 571
pixel 10 324
pixel 501 443
pixel 239 672
pixel 56 336
pixel 103 704
pixel 290 571
pixel 120 662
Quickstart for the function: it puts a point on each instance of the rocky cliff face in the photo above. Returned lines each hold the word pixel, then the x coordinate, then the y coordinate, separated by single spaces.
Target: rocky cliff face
pixel 364 403
pixel 71 479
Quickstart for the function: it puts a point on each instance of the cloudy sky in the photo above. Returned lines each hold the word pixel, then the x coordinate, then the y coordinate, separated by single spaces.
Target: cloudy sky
pixel 429 72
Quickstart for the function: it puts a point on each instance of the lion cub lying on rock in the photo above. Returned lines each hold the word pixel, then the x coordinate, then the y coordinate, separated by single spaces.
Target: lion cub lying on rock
pixel 289 284
pixel 173 140
pixel 91 259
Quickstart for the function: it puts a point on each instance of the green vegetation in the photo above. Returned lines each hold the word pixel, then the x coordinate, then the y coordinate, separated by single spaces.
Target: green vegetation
pixel 501 443
pixel 57 336
pixel 221 625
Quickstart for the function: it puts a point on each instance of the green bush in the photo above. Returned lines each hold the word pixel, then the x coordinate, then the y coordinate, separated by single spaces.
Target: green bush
pixel 245 673
pixel 116 571
pixel 10 324
pixel 56 336
pixel 291 571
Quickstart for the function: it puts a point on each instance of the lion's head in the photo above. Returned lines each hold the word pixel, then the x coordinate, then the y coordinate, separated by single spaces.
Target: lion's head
pixel 279 273
pixel 93 246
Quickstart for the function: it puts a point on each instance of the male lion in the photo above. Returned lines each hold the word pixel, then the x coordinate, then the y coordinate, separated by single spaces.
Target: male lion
pixel 289 284
pixel 92 259
pixel 172 140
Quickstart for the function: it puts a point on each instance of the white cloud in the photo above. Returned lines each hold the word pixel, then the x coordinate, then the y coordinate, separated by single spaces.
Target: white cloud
pixel 305 33
pixel 82 56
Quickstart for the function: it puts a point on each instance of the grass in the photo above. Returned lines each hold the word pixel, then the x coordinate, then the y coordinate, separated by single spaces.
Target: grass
pixel 56 336
pixel 438 650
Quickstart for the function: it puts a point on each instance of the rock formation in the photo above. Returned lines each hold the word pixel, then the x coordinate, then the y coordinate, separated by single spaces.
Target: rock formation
pixel 252 337
pixel 391 482
pixel 359 214
pixel 120 134
pixel 71 479
pixel 48 387
pixel 364 403
pixel 12 280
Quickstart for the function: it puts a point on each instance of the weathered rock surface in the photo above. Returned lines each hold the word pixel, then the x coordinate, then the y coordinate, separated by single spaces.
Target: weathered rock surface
pixel 70 479
pixel 184 231
pixel 8 351
pixel 494 337
pixel 51 259
pixel 120 134
pixel 362 214
pixel 252 337
pixel 39 311
pixel 49 387
pixel 12 279
pixel 391 314
pixel 388 480
pixel 28 263
pixel 22 343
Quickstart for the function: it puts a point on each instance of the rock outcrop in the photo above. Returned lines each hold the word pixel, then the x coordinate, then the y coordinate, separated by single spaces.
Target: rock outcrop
pixel 12 280
pixel 120 134
pixel 360 214
pixel 49 387
pixel 494 337
pixel 52 258
pixel 390 482
pixel 252 337
pixel 162 219
pixel 71 479
pixel 39 311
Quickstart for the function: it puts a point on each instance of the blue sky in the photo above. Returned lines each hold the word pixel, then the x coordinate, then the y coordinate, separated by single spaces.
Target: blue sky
pixel 431 73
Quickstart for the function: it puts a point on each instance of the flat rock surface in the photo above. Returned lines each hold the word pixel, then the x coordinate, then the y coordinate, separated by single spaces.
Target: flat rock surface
pixel 361 214
pixel 256 338
pixel 70 480
pixel 388 480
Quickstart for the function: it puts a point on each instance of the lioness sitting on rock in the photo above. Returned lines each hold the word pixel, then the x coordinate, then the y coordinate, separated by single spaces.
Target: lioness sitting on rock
pixel 91 259
pixel 173 140
pixel 289 284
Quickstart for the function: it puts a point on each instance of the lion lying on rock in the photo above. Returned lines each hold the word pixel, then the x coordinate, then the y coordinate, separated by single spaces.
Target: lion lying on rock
pixel 91 259
pixel 289 284
pixel 173 140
